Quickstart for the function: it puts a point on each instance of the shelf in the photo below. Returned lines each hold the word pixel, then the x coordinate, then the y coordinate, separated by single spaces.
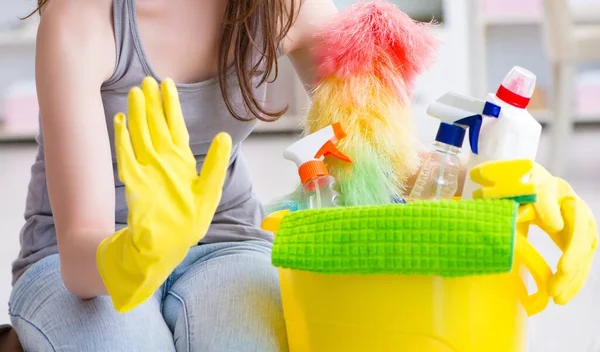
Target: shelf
pixel 510 20
pixel 590 118
pixel 286 124
pixel 19 37
pixel 292 124
pixel 545 116
pixel 580 14
pixel 17 136
pixel 542 116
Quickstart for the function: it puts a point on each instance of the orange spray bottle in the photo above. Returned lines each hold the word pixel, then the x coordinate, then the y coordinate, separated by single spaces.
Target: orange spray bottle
pixel 308 154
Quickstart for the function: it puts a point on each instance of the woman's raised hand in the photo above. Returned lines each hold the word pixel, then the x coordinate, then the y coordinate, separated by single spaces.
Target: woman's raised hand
pixel 170 205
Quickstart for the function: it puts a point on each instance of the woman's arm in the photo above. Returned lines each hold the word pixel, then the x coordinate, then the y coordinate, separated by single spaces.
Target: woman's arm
pixel 75 54
pixel 312 14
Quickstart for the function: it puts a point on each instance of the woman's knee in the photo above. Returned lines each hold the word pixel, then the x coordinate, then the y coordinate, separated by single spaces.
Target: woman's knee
pixel 230 302
pixel 47 317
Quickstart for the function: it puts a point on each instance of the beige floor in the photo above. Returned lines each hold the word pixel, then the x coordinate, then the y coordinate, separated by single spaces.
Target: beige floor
pixel 575 327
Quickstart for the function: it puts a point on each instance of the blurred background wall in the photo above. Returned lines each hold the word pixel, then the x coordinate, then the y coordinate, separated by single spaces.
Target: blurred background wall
pixel 482 40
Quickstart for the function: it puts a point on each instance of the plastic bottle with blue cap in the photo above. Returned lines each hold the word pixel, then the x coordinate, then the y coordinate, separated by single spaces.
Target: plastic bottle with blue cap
pixel 439 175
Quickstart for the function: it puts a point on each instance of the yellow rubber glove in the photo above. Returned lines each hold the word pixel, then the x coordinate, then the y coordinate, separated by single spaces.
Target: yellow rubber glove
pixel 170 205
pixel 570 223
pixel 503 179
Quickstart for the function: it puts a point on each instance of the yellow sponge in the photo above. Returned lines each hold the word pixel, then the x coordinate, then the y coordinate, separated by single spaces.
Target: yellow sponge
pixel 504 179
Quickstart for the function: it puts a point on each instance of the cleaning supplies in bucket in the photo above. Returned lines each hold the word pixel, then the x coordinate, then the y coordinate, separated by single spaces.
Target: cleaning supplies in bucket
pixel 308 154
pixel 425 260
pixel 515 134
pixel 438 178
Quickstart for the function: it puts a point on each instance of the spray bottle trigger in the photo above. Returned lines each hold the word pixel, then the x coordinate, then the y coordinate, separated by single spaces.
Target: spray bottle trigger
pixel 329 148
pixel 474 124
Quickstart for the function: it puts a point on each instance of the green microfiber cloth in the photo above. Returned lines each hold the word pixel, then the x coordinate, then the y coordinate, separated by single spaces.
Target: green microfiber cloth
pixel 439 238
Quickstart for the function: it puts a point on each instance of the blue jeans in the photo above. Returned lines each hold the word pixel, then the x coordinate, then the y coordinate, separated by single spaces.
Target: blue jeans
pixel 223 297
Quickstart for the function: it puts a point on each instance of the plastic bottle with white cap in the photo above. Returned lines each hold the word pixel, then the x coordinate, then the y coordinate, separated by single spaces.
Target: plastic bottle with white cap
pixel 515 133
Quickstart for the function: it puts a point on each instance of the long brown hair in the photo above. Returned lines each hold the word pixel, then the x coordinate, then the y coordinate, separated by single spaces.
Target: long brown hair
pixel 249 26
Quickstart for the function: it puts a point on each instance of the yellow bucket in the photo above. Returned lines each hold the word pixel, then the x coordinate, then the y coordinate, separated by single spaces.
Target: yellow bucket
pixel 360 313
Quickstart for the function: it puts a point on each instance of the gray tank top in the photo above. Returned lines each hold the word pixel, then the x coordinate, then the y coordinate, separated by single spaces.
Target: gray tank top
pixel 239 212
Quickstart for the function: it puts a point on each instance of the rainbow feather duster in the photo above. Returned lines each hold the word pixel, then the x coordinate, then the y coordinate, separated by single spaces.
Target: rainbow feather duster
pixel 369 56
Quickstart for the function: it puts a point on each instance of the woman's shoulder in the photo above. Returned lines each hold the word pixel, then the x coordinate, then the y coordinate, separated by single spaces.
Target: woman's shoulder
pixel 77 12
pixel 75 28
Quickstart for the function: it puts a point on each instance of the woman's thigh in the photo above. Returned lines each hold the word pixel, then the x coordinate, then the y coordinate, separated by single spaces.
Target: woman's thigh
pixel 47 317
pixel 225 297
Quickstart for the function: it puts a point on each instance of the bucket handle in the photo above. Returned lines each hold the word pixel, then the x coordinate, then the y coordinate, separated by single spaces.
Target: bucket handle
pixel 533 261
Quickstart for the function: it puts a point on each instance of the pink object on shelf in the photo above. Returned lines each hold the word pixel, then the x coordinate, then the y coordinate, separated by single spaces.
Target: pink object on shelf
pixel 493 8
pixel 587 91
pixel 21 109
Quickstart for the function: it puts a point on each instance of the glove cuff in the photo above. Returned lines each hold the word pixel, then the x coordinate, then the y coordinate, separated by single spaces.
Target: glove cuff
pixel 124 281
pixel 131 277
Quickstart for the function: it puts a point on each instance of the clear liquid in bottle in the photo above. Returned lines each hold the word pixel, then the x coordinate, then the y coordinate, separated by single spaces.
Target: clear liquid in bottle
pixel 320 193
pixel 438 178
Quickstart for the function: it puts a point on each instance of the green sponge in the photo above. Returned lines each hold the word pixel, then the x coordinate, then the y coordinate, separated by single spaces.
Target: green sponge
pixel 440 238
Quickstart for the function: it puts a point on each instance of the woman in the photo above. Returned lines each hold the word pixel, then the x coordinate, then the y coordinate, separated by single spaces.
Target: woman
pixel 224 295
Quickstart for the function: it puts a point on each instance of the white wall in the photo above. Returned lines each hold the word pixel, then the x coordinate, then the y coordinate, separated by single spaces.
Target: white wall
pixel 16 61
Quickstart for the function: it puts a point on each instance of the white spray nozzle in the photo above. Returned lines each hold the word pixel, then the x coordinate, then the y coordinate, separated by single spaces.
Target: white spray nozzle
pixel 456 109
pixel 452 107
pixel 309 152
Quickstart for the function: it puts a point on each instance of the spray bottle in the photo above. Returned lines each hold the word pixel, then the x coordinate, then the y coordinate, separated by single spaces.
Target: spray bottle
pixel 438 178
pixel 515 134
pixel 308 154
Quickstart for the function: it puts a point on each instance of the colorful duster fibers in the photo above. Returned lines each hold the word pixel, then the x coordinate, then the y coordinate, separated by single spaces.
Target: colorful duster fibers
pixel 368 59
